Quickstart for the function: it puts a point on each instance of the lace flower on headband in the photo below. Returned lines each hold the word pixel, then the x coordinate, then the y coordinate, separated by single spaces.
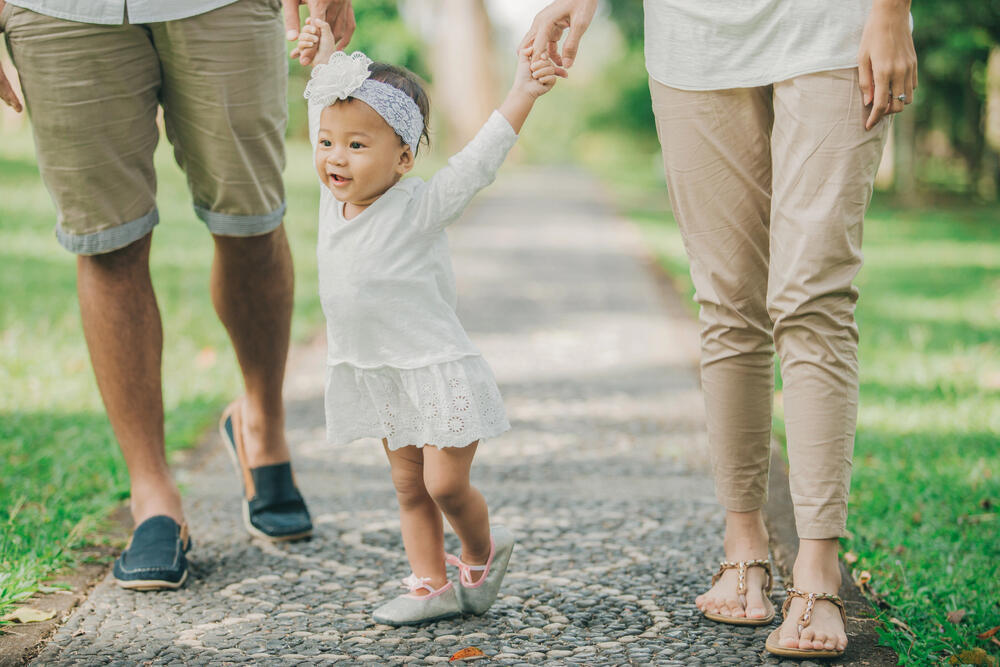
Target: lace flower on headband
pixel 337 79
pixel 348 76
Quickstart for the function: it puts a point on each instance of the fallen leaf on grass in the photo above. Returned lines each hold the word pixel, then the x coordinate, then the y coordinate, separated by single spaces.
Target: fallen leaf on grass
pixel 468 653
pixel 902 626
pixel 972 656
pixel 956 616
pixel 28 615
pixel 989 633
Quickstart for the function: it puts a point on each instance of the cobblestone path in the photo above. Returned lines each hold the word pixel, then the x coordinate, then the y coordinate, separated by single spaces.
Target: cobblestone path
pixel 601 479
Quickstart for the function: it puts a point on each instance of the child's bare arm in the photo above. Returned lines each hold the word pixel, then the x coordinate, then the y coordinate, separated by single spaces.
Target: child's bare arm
pixel 532 80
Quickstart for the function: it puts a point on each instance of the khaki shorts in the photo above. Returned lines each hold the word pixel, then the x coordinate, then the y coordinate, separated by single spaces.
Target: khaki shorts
pixel 93 92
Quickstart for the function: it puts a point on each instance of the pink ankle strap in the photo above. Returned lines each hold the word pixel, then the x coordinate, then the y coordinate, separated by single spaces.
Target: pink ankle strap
pixel 415 583
pixel 465 570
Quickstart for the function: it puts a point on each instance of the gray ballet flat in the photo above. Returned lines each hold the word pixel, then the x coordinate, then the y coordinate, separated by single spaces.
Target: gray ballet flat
pixel 477 597
pixel 412 609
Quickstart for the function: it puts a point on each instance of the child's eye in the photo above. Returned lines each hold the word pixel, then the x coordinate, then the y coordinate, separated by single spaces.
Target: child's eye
pixel 356 145
pixel 325 143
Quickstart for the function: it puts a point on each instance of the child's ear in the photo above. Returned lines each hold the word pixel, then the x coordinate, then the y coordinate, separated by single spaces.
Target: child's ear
pixel 405 162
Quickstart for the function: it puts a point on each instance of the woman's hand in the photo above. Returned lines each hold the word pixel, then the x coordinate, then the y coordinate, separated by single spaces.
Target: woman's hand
pixel 7 93
pixel 887 62
pixel 548 27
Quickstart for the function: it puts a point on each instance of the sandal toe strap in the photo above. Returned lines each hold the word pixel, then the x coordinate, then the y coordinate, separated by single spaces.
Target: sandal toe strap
pixel 811 598
pixel 741 567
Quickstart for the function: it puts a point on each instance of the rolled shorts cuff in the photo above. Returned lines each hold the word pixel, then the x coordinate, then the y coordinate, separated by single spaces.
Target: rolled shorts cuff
pixel 106 240
pixel 225 224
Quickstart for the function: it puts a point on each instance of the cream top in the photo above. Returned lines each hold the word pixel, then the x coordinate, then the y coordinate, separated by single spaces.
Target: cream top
pixel 719 44
pixel 385 276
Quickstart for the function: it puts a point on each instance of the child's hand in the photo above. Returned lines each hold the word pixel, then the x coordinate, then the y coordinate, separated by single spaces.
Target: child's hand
pixel 316 43
pixel 535 78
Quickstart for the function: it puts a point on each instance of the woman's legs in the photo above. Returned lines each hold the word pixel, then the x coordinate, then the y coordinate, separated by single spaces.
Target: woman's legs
pixel 430 481
pixel 824 164
pixel 717 161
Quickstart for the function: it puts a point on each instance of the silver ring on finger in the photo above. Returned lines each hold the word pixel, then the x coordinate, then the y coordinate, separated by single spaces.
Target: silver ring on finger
pixel 901 97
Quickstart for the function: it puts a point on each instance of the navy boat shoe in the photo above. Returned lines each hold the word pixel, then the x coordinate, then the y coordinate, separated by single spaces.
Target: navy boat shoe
pixel 155 556
pixel 275 510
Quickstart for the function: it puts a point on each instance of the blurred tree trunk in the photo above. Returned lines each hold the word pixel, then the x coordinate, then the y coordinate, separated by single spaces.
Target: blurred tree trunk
pixel 465 81
pixel 988 182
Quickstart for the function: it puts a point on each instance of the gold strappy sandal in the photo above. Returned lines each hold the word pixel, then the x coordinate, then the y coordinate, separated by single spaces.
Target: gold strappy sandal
pixel 773 640
pixel 741 589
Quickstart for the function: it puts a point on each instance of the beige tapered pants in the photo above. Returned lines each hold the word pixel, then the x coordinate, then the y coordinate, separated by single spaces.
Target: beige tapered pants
pixel 769 186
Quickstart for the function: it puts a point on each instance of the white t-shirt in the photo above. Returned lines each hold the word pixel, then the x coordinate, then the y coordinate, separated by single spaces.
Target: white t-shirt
pixel 385 276
pixel 719 44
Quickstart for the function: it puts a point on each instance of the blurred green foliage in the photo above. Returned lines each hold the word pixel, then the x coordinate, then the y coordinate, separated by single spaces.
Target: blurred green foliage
pixel 953 39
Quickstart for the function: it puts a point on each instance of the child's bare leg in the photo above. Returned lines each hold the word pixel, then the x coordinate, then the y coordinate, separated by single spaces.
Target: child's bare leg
pixel 446 478
pixel 419 516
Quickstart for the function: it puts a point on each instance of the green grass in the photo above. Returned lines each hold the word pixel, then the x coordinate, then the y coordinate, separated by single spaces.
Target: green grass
pixel 924 518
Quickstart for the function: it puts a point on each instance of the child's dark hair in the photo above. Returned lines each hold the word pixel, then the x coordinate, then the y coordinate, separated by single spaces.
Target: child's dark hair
pixel 406 81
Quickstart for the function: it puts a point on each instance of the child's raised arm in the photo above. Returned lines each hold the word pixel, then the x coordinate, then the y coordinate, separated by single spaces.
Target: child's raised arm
pixel 531 81
pixel 475 166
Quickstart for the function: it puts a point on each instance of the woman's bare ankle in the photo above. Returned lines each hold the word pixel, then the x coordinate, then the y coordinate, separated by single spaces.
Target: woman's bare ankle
pixel 746 536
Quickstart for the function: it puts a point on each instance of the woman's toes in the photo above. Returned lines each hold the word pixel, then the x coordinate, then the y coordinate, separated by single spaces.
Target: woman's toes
pixel 734 608
pixel 806 638
pixel 789 637
pixel 830 643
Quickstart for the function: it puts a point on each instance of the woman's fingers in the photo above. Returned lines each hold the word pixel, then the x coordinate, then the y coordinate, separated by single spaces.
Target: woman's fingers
pixel 866 80
pixel 880 100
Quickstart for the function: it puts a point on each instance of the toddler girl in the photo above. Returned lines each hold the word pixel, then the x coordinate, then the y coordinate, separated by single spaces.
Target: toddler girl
pixel 399 365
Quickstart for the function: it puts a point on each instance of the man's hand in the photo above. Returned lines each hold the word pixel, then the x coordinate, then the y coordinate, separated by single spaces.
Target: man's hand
pixel 548 27
pixel 887 62
pixel 338 13
pixel 6 89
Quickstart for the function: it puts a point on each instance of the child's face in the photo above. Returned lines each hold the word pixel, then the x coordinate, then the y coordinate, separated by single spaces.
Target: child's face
pixel 358 156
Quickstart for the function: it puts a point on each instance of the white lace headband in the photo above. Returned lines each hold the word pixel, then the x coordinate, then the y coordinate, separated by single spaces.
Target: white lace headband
pixel 348 76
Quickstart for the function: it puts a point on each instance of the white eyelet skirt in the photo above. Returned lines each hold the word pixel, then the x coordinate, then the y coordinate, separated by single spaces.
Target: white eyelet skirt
pixel 451 404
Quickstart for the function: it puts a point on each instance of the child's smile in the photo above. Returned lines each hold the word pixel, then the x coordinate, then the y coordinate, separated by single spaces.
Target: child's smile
pixel 358 156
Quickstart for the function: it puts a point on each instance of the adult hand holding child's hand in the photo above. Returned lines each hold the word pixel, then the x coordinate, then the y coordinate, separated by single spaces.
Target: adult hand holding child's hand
pixel 534 77
pixel 317 41
pixel 338 14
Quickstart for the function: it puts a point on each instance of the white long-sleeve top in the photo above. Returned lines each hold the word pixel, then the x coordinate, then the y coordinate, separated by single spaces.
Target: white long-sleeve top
pixel 385 276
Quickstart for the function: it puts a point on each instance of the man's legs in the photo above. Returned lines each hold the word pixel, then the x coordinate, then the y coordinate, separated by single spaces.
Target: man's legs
pixel 253 292
pixel 121 323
